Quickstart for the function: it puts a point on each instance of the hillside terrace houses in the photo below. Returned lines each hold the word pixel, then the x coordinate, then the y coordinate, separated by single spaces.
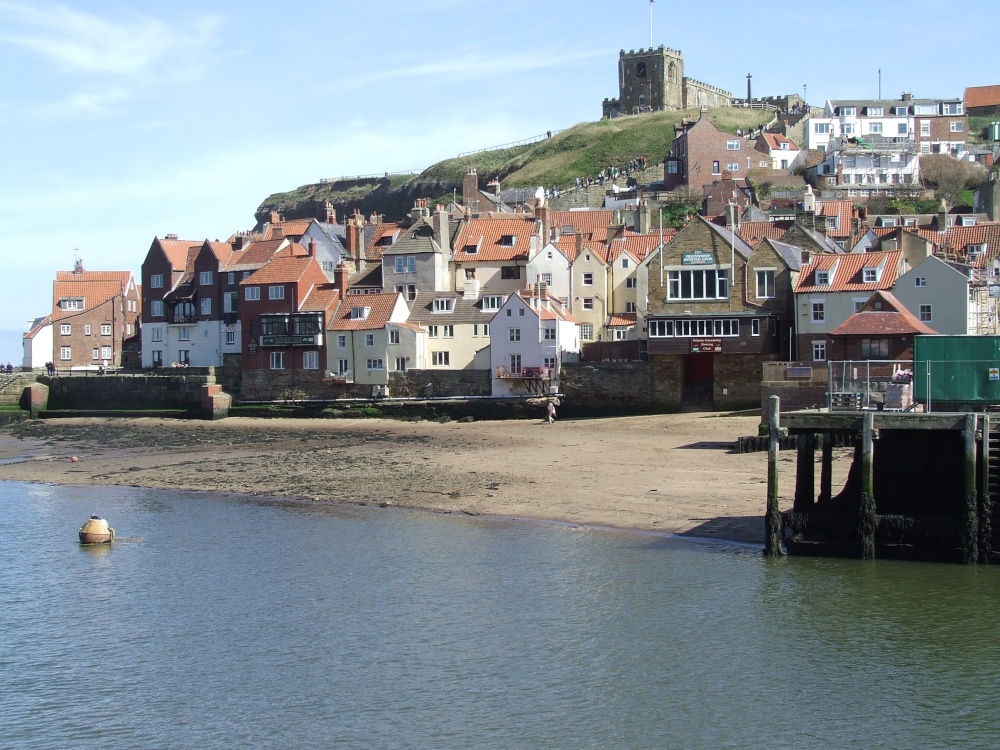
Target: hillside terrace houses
pixel 935 126
pixel 369 336
pixel 703 154
pixel 869 166
pixel 94 321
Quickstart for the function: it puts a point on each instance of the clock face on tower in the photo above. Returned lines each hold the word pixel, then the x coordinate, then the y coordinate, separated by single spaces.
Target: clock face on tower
pixel 640 70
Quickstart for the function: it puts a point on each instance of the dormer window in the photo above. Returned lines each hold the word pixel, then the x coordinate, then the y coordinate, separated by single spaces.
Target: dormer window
pixel 471 249
pixel 967 221
pixel 443 305
pixel 492 302
pixel 874 111
pixel 831 222
pixel 71 304
pixel 847 111
pixel 822 278
pixel 507 240
pixel 869 275
pixel 974 250
pixel 360 313
pixel 784 147
pixel 888 222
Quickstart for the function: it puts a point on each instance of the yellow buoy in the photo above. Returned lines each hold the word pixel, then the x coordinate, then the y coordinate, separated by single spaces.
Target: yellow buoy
pixel 96 531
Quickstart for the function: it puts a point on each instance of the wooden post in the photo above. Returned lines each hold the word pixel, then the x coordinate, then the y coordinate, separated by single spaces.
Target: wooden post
pixel 866 508
pixel 985 499
pixel 970 516
pixel 805 473
pixel 826 469
pixel 772 520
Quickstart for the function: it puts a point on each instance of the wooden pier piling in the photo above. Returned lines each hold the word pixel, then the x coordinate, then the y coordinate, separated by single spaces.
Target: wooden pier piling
pixel 772 521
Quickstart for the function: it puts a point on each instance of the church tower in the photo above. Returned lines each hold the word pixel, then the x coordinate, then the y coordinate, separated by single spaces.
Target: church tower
pixel 650 80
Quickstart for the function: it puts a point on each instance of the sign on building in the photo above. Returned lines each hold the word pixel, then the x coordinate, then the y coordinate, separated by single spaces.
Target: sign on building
pixel 697 258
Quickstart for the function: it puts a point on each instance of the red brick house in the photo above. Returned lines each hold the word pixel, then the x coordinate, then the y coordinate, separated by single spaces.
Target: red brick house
pixel 703 154
pixel 95 318
pixel 882 329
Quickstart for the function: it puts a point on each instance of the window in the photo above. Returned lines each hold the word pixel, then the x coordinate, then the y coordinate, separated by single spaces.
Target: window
pixel 276 291
pixel 819 351
pixel 733 145
pixel 588 279
pixel 310 360
pixel 105 329
pixel 106 352
pixel 411 292
pixel 184 356
pixel 230 337
pixel 546 278
pixel 765 283
pixel 251 293
pixel 448 331
pixel 715 168
pixel 925 127
pixel 342 366
pixel 549 334
pixel 515 364
pixel 733 166
pixel 874 348
pixel 925 148
pixel 957 126
pixel 920 281
pixel 925 313
pixel 900 111
pixel 400 364
pixel 510 272
pixel 550 362
pixel 205 278
pixel 433 331
pixel 156 281
pixel 341 340
pixel 65 329
pixel 246 274
pixel 520 312
pixel 411 264
pixel 846 111
pixel 369 339
pixel 624 262
pixel 631 283
pixel 184 334
pixel 156 333
pixel 874 111
pixel 486 329
pixel 515 334
pixel 442 305
pixel 94 354
pixel 493 302
pixel 858 304
pixel 901 128
pixel 588 303
pixel 394 336
pixel 586 332
pixel 821 128
pixel 439 359
pixel 230 278
pixel 277 360
pixel 156 308
pixel 755 326
pixel 400 264
pixel 818 312
pixel 875 127
pixel 157 358
pixel 65 353
pixel 763 163
pixel 206 305
pixel 631 307
pixel 951 108
pixel 869 275
pixel 86 330
pixel 701 284
pixel 376 364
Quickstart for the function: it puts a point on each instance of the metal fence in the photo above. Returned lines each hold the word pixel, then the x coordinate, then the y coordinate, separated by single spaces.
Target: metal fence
pixel 864 383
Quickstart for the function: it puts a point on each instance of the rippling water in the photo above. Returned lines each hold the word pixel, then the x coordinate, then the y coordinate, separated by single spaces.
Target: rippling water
pixel 225 622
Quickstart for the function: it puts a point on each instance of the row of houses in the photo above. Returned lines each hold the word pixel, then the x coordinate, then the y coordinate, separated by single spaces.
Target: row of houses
pixel 518 294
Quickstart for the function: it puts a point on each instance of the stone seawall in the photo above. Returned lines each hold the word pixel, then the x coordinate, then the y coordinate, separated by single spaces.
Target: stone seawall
pixel 119 391
pixel 594 388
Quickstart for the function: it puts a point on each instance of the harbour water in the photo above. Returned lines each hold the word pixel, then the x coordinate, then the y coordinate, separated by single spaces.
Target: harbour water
pixel 223 622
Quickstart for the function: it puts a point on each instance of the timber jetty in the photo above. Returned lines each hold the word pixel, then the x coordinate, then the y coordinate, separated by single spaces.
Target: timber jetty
pixel 919 486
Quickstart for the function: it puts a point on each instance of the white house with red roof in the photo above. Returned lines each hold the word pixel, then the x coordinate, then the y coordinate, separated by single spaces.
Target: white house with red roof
pixel 37 344
pixel 831 288
pixel 494 252
pixel 531 336
pixel 775 151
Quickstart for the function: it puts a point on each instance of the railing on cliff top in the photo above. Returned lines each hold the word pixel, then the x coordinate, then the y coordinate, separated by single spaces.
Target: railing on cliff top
pixel 372 176
pixel 513 144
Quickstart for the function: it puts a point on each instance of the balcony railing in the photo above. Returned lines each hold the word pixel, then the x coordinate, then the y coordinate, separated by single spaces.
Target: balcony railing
pixel 535 373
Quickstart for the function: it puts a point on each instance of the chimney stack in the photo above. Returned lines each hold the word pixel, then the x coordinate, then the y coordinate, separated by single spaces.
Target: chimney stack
pixel 470 191
pixel 341 279
pixel 331 213
pixel 542 215
pixel 442 231
pixel 312 248
pixel 275 217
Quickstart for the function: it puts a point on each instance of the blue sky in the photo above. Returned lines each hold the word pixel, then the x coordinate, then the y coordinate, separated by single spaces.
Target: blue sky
pixel 123 121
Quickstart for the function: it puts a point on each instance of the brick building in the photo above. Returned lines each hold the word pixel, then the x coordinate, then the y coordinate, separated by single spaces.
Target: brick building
pixel 95 318
pixel 703 154
pixel 882 329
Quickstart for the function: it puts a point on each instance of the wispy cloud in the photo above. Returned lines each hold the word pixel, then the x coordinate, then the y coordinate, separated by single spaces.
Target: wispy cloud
pixel 132 51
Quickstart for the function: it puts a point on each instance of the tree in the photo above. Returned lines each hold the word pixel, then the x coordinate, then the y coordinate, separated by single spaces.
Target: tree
pixel 949 176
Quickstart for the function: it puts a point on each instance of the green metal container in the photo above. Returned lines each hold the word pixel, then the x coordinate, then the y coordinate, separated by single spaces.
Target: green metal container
pixel 956 370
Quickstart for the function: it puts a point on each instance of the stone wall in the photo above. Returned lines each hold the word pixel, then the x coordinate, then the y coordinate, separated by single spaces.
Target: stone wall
pixel 162 390
pixel 736 380
pixel 621 387
pixel 437 383
pixel 288 385
pixel 794 396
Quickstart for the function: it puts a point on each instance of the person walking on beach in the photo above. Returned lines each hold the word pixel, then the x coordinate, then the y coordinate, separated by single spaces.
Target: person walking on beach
pixel 551 412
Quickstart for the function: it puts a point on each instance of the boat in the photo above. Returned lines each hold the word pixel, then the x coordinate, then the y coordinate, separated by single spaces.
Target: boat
pixel 96 531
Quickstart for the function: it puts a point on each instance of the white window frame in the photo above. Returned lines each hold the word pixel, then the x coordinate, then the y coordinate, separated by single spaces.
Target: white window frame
pixel 251 293
pixel 65 353
pixel 156 281
pixel 206 305
pixel 204 278
pixel 277 360
pixel 369 339
pixel 514 334
pixel 156 334
pixel 768 275
pixel 819 351
pixel 276 291
pixel 588 279
pixel 443 305
pixel 156 308
pixel 65 329
pixel 310 360
pixel 375 363
pixel 440 359
pixel 105 329
pixel 817 311
pixel 549 333
pixel 926 313
pixel 733 144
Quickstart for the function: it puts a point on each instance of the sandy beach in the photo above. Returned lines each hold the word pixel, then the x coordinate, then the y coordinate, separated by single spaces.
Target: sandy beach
pixel 667 473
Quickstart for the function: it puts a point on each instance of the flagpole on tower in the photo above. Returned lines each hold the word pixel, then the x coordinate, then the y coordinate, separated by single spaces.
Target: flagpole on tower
pixel 651 24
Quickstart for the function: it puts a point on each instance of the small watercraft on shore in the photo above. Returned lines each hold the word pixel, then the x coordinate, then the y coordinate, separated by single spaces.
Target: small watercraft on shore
pixel 96 531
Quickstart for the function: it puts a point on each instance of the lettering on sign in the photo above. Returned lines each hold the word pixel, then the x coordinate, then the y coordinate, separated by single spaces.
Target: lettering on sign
pixel 706 345
pixel 697 258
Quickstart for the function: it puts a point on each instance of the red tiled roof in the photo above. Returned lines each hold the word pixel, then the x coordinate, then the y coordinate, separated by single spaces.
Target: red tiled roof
pixel 554 310
pixel 622 319
pixel 982 96
pixel 637 245
pixel 255 254
pixel 381 309
pixel 177 251
pixel 895 321
pixel 483 236
pixel 93 294
pixel 848 274
pixel 288 265
pixel 320 298
pixel 383 236
pixel 593 224
pixel 842 209
pixel 753 232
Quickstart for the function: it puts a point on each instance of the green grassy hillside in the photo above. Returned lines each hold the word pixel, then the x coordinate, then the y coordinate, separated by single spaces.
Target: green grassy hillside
pixel 582 150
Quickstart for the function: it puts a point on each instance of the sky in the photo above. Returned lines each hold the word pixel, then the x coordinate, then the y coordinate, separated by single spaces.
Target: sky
pixel 123 121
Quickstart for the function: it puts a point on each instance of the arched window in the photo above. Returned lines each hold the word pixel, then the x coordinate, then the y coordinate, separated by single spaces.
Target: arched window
pixel 672 72
pixel 640 70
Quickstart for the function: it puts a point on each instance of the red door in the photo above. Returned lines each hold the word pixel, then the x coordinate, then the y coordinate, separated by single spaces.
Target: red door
pixel 700 367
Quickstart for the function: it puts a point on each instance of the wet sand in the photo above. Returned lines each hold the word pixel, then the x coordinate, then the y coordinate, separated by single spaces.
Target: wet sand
pixel 666 473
